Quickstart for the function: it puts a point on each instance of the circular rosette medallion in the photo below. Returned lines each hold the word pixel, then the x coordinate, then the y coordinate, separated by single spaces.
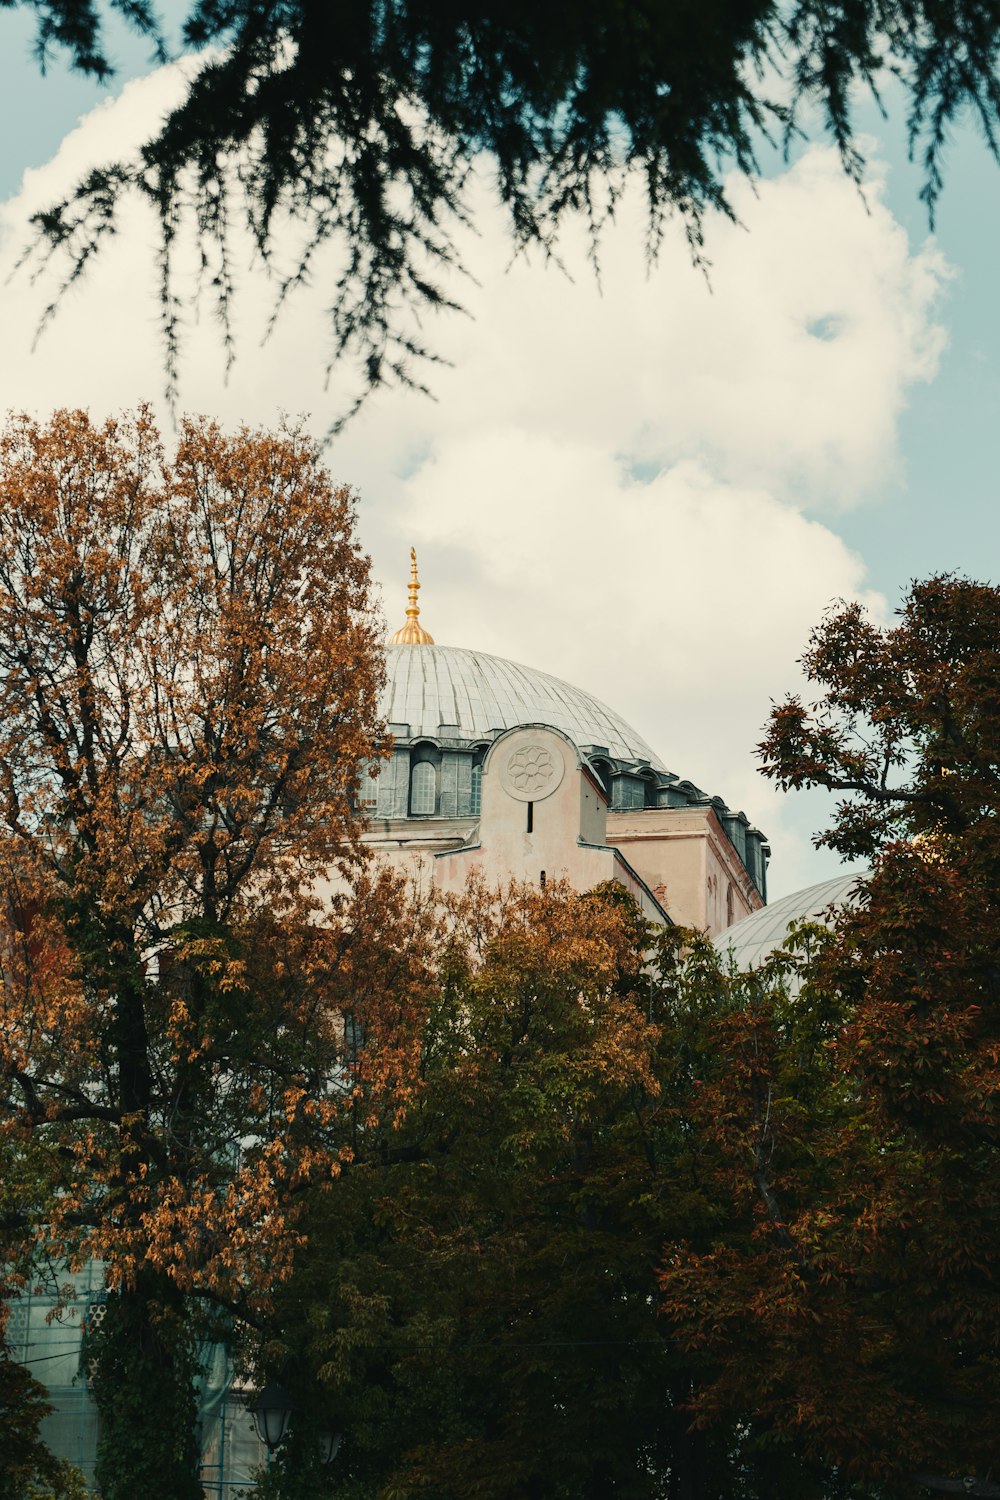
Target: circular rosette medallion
pixel 532 771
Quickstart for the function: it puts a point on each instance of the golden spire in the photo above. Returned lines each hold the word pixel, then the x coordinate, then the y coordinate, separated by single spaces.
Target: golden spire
pixel 412 633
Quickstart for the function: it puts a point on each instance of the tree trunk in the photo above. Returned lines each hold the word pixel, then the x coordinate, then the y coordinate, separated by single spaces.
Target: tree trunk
pixel 144 1369
pixel 143 1357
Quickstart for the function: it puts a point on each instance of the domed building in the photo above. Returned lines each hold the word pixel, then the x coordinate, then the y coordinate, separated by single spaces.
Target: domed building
pixel 502 769
pixel 749 942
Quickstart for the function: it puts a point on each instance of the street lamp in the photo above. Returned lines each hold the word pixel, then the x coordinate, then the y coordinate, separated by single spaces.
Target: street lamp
pixel 271 1414
pixel 329 1443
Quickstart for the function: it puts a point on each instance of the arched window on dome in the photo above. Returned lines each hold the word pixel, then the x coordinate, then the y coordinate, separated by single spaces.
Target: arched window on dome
pixel 603 769
pixel 479 754
pixel 368 792
pixel 423 789
pixel 629 792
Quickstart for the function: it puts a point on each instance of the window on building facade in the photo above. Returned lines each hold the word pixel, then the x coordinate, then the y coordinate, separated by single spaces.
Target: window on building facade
pixel 631 793
pixel 477 790
pixel 603 772
pixel 423 788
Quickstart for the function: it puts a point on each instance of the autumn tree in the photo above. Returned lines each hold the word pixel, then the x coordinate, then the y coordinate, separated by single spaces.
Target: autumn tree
pixel 358 126
pixel 477 1307
pixel 188 686
pixel 851 1298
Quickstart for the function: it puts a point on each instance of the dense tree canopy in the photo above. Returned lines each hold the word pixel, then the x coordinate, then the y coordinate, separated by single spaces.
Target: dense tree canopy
pixel 359 122
pixel 482 1279
pixel 906 722
pixel 28 1471
pixel 529 1200
pixel 478 1306
pixel 648 1227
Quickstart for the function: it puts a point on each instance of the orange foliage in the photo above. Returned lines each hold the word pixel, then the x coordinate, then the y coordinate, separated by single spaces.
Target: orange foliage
pixel 189 674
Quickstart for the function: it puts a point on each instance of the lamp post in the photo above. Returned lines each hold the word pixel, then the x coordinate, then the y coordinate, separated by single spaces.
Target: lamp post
pixel 329 1443
pixel 271 1414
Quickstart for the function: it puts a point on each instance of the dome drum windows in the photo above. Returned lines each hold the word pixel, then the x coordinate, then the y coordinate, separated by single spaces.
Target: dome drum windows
pixel 425 780
pixel 601 767
pixel 450 790
pixel 392 788
pixel 736 828
pixel 630 792
pixel 368 792
pixel 423 789
pixel 672 796
pixel 470 781
pixel 443 783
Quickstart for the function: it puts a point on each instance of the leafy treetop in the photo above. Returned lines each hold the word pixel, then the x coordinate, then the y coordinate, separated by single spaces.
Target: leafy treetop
pixel 906 721
pixel 482 1280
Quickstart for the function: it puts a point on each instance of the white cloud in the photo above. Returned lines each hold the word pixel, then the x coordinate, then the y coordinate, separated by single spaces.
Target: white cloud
pixel 612 483
pixel 788 365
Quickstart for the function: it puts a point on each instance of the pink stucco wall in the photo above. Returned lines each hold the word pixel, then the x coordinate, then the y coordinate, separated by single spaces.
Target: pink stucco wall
pixel 673 859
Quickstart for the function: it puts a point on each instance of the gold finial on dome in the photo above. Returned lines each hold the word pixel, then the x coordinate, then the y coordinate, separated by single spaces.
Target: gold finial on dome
pixel 412 633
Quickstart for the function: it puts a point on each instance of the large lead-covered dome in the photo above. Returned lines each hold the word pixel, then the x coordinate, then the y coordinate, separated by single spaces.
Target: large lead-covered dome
pixel 475 694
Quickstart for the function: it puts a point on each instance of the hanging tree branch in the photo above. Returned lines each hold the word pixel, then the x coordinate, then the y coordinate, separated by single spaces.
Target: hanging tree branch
pixel 355 125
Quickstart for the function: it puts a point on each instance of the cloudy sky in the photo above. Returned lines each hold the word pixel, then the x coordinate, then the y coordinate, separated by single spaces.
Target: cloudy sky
pixel 651 488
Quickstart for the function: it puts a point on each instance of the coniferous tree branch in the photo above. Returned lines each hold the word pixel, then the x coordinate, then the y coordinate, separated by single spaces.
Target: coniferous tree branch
pixel 354 128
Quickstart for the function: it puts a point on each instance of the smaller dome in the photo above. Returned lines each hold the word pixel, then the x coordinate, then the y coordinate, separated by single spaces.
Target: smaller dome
pixel 751 940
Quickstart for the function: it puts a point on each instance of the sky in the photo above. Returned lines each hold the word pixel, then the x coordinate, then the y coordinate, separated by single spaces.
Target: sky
pixel 652 487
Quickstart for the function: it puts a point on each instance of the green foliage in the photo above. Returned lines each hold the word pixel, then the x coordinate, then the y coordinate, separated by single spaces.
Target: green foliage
pixel 28 1471
pixel 65 1482
pixel 143 1368
pixel 846 1296
pixel 359 123
pixel 22 1406
pixel 478 1305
